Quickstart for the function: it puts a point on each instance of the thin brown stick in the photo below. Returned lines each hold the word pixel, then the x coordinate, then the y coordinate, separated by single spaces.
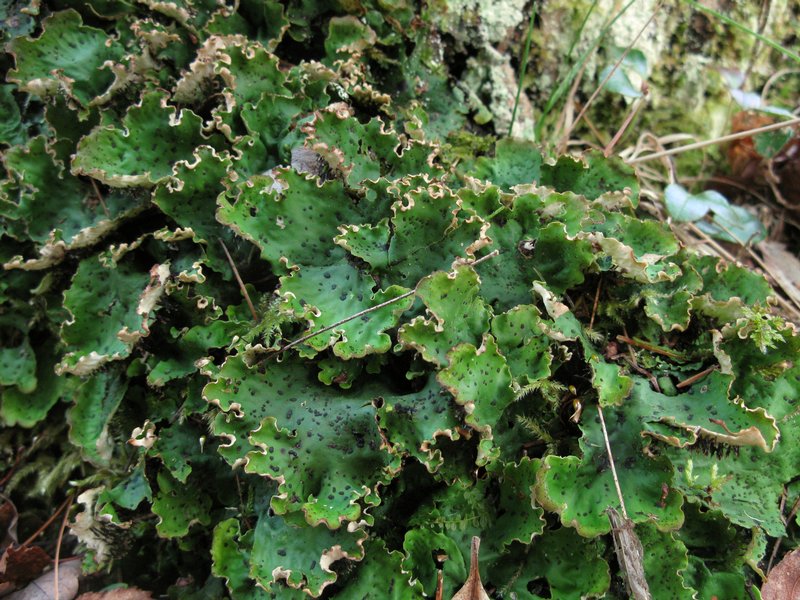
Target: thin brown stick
pixel 366 311
pixel 597 133
pixel 649 347
pixel 79 557
pixel 763 18
pixel 642 371
pixel 714 141
pixel 47 523
pixel 300 340
pixel 696 377
pixel 566 114
pixel 626 123
pixel 240 282
pixel 779 541
pixel 772 79
pixel 611 462
pixel 100 197
pixel 58 548
pixel 596 301
pixel 17 459
pixel 611 72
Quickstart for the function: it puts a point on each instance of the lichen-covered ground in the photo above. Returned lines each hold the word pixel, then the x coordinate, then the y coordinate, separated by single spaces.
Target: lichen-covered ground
pixel 300 298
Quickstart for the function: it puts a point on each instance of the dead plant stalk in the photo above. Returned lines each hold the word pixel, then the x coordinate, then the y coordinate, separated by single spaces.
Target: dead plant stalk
pixel 712 142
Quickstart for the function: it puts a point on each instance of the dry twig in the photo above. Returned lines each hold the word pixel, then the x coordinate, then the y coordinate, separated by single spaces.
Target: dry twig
pixel 366 311
pixel 58 547
pixel 240 282
pixel 712 142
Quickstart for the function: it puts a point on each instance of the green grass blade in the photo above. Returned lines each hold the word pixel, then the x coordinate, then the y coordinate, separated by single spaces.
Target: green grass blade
pixel 579 33
pixel 563 86
pixel 523 67
pixel 728 21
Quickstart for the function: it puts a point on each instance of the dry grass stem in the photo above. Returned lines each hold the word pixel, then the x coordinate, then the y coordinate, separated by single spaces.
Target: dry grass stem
pixel 637 105
pixel 611 72
pixel 696 377
pixel 712 142
pixel 366 311
pixel 611 462
pixel 240 282
pixel 58 547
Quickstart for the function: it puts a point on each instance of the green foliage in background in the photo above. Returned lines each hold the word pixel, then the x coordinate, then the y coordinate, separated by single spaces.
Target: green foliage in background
pixel 328 150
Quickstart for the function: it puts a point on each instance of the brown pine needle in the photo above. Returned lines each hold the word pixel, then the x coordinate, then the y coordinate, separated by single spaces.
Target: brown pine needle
pixel 58 546
pixel 626 123
pixel 695 378
pixel 596 302
pixel 99 197
pixel 240 282
pixel 366 311
pixel 720 140
pixel 47 523
pixel 779 541
pixel 10 473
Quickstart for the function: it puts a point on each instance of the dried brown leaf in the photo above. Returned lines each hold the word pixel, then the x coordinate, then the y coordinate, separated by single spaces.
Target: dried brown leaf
pixel 784 267
pixel 783 581
pixel 630 555
pixel 8 523
pixel 43 588
pixel 20 566
pixel 473 588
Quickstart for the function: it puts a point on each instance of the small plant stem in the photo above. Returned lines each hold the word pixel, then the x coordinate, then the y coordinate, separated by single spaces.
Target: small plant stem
pixel 596 302
pixel 611 462
pixel 611 73
pixel 779 541
pixel 11 469
pixel 625 124
pixel 713 142
pixel 642 371
pixel 47 523
pixel 240 282
pixel 728 21
pixel 773 78
pixel 649 347
pixel 58 547
pixel 482 259
pixel 763 18
pixel 99 197
pixel 581 28
pixel 566 114
pixel 593 128
pixel 523 67
pixel 567 81
pixel 695 378
pixel 366 311
pixel 497 212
